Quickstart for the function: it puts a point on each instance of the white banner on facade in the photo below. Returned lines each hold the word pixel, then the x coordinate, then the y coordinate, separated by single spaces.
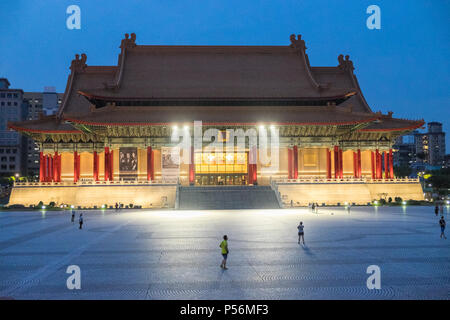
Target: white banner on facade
pixel 170 163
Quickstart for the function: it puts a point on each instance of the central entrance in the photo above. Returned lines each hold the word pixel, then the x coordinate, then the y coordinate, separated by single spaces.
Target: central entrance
pixel 221 168
pixel 220 179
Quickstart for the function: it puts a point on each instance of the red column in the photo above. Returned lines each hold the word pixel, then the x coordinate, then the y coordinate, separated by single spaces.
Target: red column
pixel 55 167
pixel 41 167
pixel 377 164
pixel 255 168
pixel 107 163
pixel 328 164
pixel 290 162
pixel 47 166
pixel 355 164
pixel 78 168
pixel 95 166
pixel 192 167
pixel 59 168
pixel 152 166
pixel 359 164
pixel 341 165
pixel 372 163
pixel 336 162
pixel 75 166
pixel 249 169
pixel 380 165
pixel 386 169
pixel 149 167
pixel 295 158
pixel 50 168
pixel 111 166
pixel 391 164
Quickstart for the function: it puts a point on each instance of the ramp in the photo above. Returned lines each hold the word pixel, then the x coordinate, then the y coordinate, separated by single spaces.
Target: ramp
pixel 227 197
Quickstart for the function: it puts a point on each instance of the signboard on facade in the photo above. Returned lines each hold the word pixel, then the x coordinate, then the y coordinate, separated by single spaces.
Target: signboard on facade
pixel 170 163
pixel 128 163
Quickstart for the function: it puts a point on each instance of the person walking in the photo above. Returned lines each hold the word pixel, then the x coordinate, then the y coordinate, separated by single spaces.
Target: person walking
pixel 73 216
pixel 442 224
pixel 436 210
pixel 313 207
pixel 224 246
pixel 117 206
pixel 80 220
pixel 301 234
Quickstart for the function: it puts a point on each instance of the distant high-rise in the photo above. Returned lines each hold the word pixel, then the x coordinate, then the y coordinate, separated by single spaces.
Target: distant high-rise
pixel 12 108
pixel 430 146
pixel 405 154
pixel 39 104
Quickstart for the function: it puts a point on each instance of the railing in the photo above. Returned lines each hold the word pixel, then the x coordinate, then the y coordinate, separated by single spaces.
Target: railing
pixel 96 183
pixel 344 180
pixel 274 187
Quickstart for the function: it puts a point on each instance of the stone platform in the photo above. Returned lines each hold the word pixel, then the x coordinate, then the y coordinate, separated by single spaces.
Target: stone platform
pixel 90 195
pixel 338 192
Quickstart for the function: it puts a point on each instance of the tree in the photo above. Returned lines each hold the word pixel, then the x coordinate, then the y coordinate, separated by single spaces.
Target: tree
pixel 402 171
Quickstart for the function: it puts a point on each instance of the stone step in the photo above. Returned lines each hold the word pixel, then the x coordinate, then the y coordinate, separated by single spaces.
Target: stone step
pixel 227 197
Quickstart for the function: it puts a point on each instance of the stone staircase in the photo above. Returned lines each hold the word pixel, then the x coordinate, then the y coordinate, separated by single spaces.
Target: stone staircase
pixel 227 197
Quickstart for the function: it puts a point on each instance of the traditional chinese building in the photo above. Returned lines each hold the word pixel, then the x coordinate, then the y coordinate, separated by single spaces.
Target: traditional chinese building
pixel 115 124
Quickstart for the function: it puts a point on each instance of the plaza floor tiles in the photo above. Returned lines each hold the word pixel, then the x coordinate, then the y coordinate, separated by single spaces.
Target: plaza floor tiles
pixel 150 254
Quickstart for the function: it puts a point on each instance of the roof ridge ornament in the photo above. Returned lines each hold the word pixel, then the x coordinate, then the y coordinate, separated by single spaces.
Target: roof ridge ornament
pixel 78 65
pixel 129 41
pixel 346 64
pixel 297 43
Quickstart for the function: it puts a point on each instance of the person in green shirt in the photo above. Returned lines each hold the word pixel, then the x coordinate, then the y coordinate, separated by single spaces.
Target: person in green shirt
pixel 224 247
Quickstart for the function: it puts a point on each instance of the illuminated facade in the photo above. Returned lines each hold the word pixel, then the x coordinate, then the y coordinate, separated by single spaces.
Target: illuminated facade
pixel 116 122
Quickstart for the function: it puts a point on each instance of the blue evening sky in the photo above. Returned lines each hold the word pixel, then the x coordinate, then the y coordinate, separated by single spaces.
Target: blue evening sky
pixel 404 67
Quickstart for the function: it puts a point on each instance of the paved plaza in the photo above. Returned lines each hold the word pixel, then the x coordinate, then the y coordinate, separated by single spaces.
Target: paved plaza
pixel 149 254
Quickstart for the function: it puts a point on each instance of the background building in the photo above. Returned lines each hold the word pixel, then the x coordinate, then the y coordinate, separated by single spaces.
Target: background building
pixel 12 108
pixel 38 104
pixel 421 151
pixel 405 154
pixel 430 146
